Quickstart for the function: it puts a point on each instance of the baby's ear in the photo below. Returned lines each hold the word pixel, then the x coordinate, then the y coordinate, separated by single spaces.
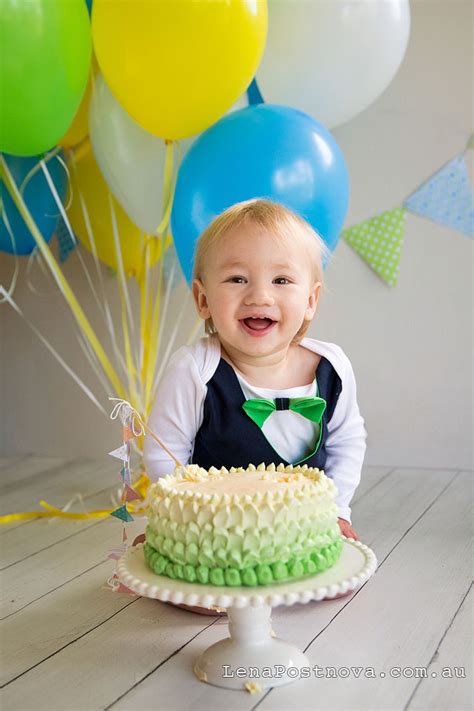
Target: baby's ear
pixel 313 299
pixel 200 299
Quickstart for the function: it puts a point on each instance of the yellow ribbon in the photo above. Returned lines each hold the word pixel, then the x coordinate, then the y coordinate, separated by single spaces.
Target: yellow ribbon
pixel 141 486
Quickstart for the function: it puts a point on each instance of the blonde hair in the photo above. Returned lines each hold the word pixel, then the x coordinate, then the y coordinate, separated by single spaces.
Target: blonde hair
pixel 285 225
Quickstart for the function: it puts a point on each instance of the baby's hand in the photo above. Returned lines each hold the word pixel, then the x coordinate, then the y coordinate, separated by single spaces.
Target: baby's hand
pixel 346 529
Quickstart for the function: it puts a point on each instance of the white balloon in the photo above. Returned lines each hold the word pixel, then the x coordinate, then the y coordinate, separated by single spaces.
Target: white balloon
pixel 332 58
pixel 131 159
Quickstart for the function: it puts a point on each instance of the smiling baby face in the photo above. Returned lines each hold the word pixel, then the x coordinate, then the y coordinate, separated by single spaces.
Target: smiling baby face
pixel 258 288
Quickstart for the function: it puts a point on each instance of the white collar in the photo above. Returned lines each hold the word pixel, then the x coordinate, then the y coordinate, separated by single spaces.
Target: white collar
pixel 207 353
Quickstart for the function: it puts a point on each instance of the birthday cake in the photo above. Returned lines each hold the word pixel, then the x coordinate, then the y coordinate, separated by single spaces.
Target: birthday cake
pixel 256 526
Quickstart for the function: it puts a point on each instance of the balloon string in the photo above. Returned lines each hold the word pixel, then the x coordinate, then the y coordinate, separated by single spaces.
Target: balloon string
pixel 34 259
pixel 104 307
pixel 16 270
pixel 59 277
pixel 169 185
pixel 168 191
pixel 126 311
pixel 31 173
pixel 165 310
pixel 152 341
pixel 52 350
pixel 71 233
pixel 145 311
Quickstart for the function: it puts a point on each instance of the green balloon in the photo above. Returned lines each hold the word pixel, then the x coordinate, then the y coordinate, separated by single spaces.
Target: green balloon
pixel 46 53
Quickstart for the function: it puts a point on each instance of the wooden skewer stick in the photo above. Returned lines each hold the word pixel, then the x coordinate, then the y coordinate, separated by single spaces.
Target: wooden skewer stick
pixel 162 444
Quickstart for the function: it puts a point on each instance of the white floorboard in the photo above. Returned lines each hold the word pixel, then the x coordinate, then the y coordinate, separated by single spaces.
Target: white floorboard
pixel 67 643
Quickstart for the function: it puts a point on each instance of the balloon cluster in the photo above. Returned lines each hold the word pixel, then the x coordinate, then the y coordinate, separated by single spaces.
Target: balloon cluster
pixel 162 72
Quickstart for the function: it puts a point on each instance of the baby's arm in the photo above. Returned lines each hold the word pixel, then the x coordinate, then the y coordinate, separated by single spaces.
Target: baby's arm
pixel 345 447
pixel 176 414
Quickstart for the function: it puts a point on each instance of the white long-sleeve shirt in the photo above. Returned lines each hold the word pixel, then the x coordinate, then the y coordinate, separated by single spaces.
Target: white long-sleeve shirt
pixel 178 411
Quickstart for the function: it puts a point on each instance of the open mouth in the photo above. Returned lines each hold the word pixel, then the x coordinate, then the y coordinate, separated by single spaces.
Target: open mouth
pixel 257 326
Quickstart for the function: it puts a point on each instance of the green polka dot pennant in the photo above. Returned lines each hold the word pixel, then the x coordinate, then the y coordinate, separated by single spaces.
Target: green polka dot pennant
pixel 470 145
pixel 379 242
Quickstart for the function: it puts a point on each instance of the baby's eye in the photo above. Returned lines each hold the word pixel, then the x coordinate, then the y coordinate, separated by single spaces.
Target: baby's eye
pixel 282 280
pixel 237 279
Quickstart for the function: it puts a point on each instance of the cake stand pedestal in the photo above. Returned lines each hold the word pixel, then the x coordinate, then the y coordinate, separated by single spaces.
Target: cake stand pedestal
pixel 251 655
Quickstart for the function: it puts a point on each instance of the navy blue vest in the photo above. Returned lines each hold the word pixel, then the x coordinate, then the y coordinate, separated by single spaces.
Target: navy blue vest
pixel 229 438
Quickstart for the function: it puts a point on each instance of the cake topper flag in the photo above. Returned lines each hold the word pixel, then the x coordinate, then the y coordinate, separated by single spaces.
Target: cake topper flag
pixel 122 514
pixel 120 453
pixel 127 433
pixel 131 494
pixel 126 474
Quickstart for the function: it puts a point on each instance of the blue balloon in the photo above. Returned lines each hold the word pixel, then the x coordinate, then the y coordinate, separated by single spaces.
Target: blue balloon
pixel 267 151
pixel 38 198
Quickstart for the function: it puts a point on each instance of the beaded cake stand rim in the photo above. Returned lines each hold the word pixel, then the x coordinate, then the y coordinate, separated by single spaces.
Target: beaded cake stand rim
pixel 168 590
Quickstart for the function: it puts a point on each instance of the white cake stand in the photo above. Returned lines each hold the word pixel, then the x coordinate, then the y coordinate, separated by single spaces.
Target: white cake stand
pixel 251 646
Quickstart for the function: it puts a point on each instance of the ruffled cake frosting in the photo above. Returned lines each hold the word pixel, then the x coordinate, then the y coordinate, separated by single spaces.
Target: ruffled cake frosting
pixel 253 526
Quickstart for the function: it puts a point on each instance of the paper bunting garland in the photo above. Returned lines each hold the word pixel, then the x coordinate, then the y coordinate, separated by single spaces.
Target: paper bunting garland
pixel 379 241
pixel 446 198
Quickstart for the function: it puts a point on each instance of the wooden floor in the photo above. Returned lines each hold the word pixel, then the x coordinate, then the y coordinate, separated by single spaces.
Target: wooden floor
pixel 67 643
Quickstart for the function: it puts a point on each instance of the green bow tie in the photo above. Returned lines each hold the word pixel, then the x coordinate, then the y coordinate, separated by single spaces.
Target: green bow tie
pixel 259 409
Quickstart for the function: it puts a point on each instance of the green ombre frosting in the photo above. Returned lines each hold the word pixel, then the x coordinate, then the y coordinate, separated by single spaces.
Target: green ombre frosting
pixel 277 572
pixel 246 527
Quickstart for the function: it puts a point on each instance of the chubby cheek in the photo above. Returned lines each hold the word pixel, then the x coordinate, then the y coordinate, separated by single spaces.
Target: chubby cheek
pixel 294 309
pixel 222 309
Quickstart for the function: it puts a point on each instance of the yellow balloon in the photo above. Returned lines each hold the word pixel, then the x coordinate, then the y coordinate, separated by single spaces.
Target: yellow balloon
pixel 86 177
pixel 178 66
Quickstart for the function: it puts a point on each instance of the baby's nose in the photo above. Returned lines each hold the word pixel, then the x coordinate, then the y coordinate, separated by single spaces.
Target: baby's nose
pixel 259 295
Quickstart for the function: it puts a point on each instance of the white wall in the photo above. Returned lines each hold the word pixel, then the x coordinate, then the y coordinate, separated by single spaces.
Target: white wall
pixel 411 346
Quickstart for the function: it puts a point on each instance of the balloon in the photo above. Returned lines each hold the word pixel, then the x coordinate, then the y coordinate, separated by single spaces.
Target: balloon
pixel 38 198
pixel 332 59
pixel 263 151
pixel 131 159
pixel 87 179
pixel 79 128
pixel 46 50
pixel 176 67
